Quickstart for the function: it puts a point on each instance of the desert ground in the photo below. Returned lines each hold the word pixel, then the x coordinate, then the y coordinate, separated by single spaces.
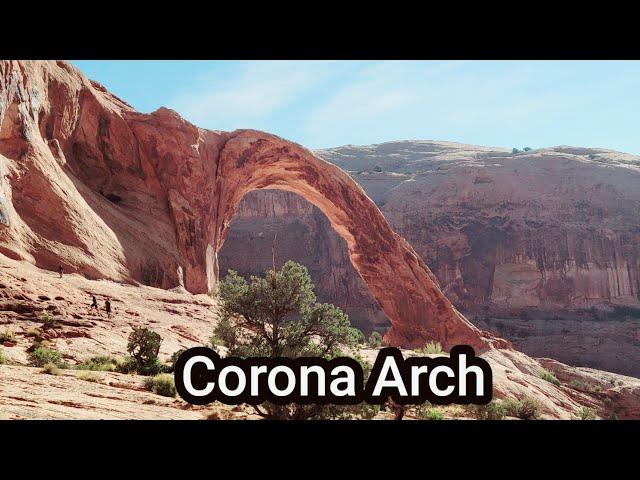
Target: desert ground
pixel 184 320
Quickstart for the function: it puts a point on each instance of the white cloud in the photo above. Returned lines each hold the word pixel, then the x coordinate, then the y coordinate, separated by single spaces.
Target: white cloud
pixel 255 90
pixel 423 99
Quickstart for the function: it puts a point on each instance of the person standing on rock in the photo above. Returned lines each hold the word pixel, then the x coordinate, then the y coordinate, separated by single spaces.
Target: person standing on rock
pixel 107 307
pixel 94 304
pixel 60 271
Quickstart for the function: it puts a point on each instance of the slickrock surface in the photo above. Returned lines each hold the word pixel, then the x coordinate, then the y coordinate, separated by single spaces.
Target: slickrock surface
pixel 27 292
pixel 109 192
pixel 185 320
pixel 539 247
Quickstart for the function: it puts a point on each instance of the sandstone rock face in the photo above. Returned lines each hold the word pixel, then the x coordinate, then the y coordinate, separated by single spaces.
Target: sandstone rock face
pixel 547 242
pixel 104 190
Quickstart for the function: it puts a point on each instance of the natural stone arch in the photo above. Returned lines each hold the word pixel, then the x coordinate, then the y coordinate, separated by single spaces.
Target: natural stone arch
pixel 79 147
pixel 397 277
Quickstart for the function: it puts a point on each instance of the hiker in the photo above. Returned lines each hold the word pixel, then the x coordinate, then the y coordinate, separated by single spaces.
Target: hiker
pixel 94 303
pixel 107 307
pixel 60 271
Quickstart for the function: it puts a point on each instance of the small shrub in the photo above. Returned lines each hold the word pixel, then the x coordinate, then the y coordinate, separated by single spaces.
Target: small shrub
pixel 430 413
pixel 526 409
pixel 588 414
pixel 34 332
pixel 377 168
pixel 173 360
pixel 50 368
pixel 431 348
pixel 367 411
pixel 527 149
pixel 47 320
pixel 143 346
pixel 515 150
pixel 101 363
pixel 375 340
pixel 549 377
pixel 6 336
pixel 42 355
pixel 580 385
pixel 491 411
pixel 88 376
pixel 2 359
pixel 613 416
pixel 130 365
pixel 162 384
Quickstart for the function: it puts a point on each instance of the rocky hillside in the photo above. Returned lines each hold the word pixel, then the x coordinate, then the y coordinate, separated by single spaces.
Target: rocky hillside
pixel 184 320
pixel 541 247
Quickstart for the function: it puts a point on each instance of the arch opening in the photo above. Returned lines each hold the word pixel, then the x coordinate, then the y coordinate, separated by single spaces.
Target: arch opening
pixel 267 220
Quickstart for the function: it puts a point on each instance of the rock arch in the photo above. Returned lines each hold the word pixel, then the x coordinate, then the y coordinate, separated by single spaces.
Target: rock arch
pixel 76 147
pixel 397 277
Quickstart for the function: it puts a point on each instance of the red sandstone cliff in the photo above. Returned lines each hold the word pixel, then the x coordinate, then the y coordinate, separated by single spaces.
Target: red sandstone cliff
pixel 89 183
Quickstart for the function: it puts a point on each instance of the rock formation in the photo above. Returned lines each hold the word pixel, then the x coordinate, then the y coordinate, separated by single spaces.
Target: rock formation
pixel 547 241
pixel 89 183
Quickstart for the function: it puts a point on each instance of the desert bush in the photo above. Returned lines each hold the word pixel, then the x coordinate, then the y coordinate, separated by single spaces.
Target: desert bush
pixel 515 150
pixel 367 411
pixel 491 411
pixel 6 336
pixel 34 332
pixel 278 315
pixel 2 358
pixel 47 319
pixel 170 367
pixel 101 363
pixel 580 385
pixel 526 408
pixel 430 413
pixel 375 340
pixel 143 347
pixel 587 413
pixel 129 364
pixel 377 168
pixel 42 355
pixel 162 384
pixel 50 368
pixel 431 348
pixel 549 377
pixel 89 376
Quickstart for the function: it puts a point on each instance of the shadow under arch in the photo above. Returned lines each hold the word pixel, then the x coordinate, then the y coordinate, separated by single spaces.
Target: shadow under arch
pixel 397 277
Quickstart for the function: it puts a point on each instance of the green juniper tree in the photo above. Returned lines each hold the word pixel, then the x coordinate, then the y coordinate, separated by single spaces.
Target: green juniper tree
pixel 143 346
pixel 277 315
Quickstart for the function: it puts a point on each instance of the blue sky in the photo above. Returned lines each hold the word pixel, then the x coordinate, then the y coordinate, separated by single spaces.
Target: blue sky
pixel 324 104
